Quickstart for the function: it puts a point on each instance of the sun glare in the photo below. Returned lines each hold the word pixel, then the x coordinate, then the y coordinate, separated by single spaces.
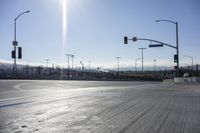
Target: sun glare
pixel 64 15
pixel 64 25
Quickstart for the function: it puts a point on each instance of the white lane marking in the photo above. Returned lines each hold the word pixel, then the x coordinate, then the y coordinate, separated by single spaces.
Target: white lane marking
pixel 19 86
pixel 14 98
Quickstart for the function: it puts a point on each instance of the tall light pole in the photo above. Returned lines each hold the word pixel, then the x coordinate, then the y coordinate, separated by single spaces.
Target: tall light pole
pixel 136 63
pixel 154 64
pixel 72 56
pixel 82 65
pixel 47 60
pixel 68 55
pixel 177 44
pixel 190 58
pixel 142 58
pixel 15 43
pixel 89 62
pixel 118 63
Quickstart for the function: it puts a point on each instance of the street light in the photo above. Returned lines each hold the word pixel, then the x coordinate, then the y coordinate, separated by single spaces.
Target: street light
pixel 89 64
pixel 177 44
pixel 118 63
pixel 72 56
pixel 47 60
pixel 68 59
pixel 136 63
pixel 142 58
pixel 154 65
pixel 15 43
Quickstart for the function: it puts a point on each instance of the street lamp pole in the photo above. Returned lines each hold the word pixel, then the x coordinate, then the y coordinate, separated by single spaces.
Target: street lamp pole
pixel 15 41
pixel 89 64
pixel 177 51
pixel 47 60
pixel 68 59
pixel 118 63
pixel 154 65
pixel 72 56
pixel 190 58
pixel 177 43
pixel 142 58
pixel 136 63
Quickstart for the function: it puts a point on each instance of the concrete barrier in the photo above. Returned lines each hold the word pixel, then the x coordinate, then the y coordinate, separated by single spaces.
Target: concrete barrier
pixel 187 80
pixel 168 80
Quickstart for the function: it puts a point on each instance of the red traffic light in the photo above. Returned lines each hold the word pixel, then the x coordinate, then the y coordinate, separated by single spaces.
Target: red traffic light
pixel 125 40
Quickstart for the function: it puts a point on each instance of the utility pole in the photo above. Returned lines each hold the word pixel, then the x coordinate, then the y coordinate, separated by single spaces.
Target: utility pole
pixel 72 56
pixel 154 65
pixel 89 64
pixel 142 58
pixel 47 60
pixel 118 63
pixel 136 63
pixel 68 59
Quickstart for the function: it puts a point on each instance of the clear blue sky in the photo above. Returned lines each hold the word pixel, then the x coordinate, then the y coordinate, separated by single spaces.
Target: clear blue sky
pixel 95 30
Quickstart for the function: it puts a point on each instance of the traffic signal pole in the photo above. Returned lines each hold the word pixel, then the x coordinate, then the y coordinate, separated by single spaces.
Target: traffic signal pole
pixel 15 43
pixel 177 49
pixel 160 44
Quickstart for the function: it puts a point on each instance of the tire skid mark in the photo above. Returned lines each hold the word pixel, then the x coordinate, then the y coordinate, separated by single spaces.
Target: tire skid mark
pixel 109 114
pixel 151 117
pixel 161 114
pixel 137 118
pixel 169 107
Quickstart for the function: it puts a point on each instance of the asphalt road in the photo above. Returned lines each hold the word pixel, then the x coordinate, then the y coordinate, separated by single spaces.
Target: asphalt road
pixel 98 107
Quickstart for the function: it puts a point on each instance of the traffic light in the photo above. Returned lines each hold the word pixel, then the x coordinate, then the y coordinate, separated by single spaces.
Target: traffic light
pixel 125 40
pixel 15 43
pixel 134 39
pixel 19 52
pixel 13 54
pixel 175 58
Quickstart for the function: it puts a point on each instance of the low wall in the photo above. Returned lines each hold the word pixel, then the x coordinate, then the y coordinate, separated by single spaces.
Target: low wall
pixel 187 80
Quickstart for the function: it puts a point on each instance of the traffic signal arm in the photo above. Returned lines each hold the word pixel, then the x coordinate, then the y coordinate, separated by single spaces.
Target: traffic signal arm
pixel 157 42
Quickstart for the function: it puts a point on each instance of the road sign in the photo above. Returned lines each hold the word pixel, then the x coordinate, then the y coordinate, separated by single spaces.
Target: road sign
pixel 155 45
